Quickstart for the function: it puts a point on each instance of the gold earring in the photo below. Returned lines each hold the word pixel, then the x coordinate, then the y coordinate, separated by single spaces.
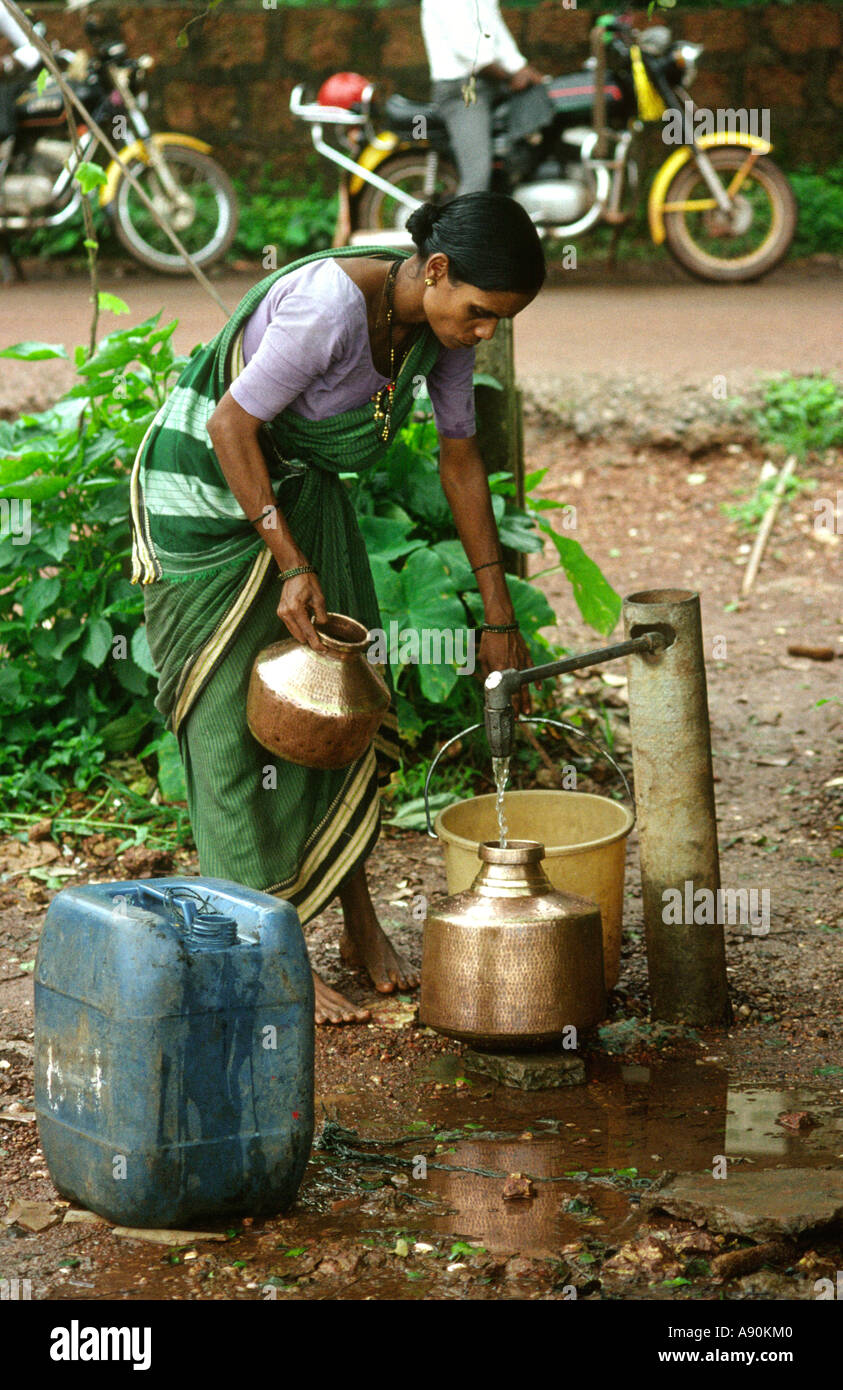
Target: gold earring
pixel 430 281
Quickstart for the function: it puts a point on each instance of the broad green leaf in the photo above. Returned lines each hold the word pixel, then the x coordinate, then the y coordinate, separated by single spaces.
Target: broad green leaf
pixel 170 770
pixel 56 540
pixel 97 642
pixel 39 599
pixel 141 652
pixel 431 599
pixel 437 682
pixel 597 601
pixel 33 352
pixel 111 303
pixel 67 668
pixel 14 470
pixel 52 643
pixel 389 589
pixel 36 489
pixel 410 725
pixel 519 532
pixel 410 816
pixel 122 735
pixel 426 500
pixel 131 677
pixel 485 379
pixel 10 685
pixel 456 565
pixel 387 538
pixel 90 176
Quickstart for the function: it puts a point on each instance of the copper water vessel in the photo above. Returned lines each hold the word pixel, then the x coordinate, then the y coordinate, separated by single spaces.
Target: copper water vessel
pixel 318 709
pixel 510 962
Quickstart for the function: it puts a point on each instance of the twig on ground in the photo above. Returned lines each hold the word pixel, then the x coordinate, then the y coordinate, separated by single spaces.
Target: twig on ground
pixel 767 525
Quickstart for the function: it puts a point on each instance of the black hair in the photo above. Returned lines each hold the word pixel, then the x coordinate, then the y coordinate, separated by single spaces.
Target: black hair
pixel 489 240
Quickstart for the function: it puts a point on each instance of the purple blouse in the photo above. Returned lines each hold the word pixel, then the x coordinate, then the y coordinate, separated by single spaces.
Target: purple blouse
pixel 306 346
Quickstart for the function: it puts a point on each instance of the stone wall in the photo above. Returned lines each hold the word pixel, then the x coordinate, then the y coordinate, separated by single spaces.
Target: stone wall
pixel 231 84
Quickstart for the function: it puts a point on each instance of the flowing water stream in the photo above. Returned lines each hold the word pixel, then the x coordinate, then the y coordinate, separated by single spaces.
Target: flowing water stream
pixel 500 771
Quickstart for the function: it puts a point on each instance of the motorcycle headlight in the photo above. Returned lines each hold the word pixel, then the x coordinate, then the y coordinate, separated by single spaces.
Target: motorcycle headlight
pixel 685 57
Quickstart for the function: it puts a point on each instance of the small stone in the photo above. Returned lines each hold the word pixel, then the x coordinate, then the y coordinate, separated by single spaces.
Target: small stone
pixel 762 1205
pixel 42 831
pixel 797 1119
pixel 161 1237
pixel 77 1216
pixel 517 1187
pixel 528 1071
pixel 32 1216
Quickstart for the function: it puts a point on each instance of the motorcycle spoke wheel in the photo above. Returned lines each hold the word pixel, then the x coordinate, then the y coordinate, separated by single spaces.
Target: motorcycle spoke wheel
pixel 205 221
pixel 377 211
pixel 737 247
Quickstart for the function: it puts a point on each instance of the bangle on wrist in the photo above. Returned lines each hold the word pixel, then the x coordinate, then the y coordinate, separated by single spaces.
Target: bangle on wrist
pixel 499 627
pixel 299 569
pixel 487 564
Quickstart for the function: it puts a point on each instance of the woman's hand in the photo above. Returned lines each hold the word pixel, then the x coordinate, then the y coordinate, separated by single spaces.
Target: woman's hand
pixel 506 651
pixel 302 597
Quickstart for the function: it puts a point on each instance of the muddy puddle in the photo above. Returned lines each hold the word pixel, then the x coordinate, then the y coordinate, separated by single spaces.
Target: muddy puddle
pixel 589 1150
pixel 468 1189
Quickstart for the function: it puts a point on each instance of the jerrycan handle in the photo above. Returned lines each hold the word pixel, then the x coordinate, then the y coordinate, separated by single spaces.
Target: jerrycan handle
pixel 537 719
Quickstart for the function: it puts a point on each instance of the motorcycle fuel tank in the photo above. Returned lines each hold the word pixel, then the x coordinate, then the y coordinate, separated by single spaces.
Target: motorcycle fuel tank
pixel 554 201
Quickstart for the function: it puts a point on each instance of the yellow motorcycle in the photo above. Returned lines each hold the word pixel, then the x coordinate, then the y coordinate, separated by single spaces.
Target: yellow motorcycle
pixel 721 205
pixel 177 172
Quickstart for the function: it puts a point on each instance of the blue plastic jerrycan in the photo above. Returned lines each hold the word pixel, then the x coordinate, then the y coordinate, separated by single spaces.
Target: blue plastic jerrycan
pixel 174 1050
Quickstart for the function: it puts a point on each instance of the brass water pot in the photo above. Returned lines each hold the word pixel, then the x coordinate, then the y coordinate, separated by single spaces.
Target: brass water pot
pixel 318 709
pixel 510 962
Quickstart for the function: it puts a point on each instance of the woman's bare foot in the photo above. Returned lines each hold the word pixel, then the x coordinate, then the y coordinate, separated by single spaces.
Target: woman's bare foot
pixel 333 1008
pixel 375 953
pixel 365 944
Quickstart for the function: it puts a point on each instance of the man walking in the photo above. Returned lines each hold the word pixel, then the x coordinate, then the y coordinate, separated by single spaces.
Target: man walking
pixel 465 39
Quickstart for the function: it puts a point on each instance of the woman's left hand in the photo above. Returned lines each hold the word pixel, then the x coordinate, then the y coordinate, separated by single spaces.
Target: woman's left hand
pixel 506 651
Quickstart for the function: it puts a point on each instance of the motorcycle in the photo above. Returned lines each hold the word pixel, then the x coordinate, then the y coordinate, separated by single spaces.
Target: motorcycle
pixel 38 164
pixel 722 207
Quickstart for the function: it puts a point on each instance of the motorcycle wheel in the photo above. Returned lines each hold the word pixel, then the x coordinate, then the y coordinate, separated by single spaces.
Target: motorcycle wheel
pixel 206 229
pixel 375 209
pixel 761 229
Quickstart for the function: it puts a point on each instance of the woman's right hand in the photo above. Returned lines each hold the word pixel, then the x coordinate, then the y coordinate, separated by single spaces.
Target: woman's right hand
pixel 301 602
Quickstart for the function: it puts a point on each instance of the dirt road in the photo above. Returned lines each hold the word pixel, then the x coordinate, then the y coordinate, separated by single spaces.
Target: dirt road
pixel 651 321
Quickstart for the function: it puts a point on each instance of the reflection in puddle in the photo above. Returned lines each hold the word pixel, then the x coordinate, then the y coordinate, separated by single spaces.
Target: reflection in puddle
pixel 627 1123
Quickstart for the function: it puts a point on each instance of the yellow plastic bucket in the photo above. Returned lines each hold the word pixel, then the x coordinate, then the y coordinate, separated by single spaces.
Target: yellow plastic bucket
pixel 585 848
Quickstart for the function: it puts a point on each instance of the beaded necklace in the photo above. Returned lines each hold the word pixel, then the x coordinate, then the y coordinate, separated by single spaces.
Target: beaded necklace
pixel 383 397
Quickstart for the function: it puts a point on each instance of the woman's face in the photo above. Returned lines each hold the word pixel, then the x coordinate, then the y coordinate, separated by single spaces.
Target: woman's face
pixel 461 315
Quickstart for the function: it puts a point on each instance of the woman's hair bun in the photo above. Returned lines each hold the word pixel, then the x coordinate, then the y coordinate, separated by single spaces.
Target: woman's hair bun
pixel 420 223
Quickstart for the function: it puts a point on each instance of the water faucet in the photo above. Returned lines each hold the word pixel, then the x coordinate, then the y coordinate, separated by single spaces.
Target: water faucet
pixel 500 686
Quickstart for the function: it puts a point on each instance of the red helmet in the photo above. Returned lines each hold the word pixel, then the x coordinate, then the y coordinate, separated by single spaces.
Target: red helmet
pixel 345 89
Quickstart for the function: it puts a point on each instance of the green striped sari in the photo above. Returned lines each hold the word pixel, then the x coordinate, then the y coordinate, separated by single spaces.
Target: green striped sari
pixel 211 592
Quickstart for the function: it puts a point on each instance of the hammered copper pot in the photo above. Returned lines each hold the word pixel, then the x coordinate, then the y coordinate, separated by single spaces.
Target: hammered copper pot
pixel 510 962
pixel 313 708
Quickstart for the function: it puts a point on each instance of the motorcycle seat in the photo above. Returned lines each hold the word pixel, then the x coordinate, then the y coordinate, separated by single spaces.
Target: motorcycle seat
pixel 403 114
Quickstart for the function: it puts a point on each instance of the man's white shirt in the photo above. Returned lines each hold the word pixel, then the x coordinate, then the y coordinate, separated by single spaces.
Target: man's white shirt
pixel 465 36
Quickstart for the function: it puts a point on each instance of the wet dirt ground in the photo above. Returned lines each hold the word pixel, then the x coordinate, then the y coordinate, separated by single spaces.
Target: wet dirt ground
pixel 406 1199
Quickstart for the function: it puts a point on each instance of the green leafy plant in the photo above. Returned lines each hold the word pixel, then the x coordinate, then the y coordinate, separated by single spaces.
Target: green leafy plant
pixel 283 214
pixel 77 679
pixel 820 200
pixel 752 507
pixel 424 582
pixel 802 413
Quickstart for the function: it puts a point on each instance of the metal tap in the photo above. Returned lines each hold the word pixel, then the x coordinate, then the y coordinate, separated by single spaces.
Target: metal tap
pixel 500 686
